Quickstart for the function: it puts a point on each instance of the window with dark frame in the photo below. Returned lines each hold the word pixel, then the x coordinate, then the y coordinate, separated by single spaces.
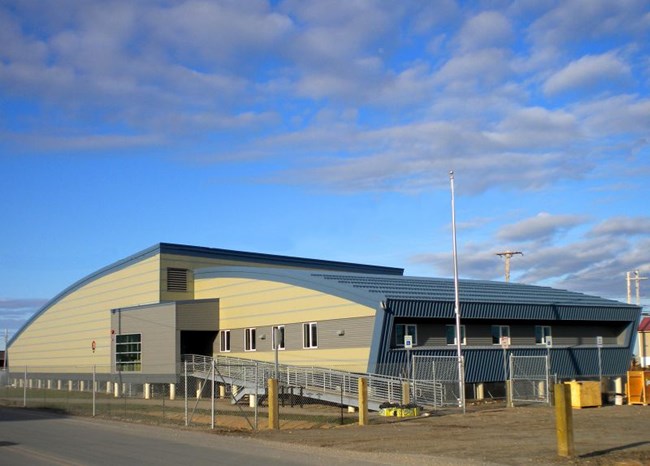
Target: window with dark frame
pixel 542 334
pixel 310 335
pixel 450 331
pixel 499 331
pixel 405 329
pixel 249 340
pixel 224 345
pixel 277 332
pixel 128 352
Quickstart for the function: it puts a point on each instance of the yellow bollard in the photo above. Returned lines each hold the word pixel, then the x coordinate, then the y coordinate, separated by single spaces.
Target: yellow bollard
pixel 564 420
pixel 363 401
pixel 274 406
pixel 406 393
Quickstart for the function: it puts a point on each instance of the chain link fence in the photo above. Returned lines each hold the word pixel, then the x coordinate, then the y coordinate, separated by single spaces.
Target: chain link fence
pixel 529 379
pixel 203 399
pixel 437 381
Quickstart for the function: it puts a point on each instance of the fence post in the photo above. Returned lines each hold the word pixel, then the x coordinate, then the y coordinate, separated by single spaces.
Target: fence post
pixel 186 419
pixel 94 389
pixel 509 395
pixel 25 389
pixel 363 401
pixel 212 377
pixel 564 420
pixel 406 393
pixel 274 419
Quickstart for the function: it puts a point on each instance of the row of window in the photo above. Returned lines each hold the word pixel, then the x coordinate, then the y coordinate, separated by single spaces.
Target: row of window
pixel 500 334
pixel 309 337
pixel 128 352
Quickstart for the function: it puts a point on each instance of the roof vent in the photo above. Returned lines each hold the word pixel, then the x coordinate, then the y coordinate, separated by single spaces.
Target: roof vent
pixel 176 279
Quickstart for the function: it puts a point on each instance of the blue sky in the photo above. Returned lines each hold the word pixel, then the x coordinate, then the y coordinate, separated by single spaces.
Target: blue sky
pixel 325 130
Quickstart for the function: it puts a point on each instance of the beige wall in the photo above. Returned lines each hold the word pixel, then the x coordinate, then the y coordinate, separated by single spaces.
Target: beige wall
pixel 644 349
pixel 246 303
pixel 157 327
pixel 61 338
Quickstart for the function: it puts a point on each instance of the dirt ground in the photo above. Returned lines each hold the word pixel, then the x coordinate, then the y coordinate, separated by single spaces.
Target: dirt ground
pixel 493 434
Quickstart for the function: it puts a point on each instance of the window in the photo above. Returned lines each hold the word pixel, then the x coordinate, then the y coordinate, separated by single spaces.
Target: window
pixel 249 340
pixel 405 329
pixel 277 332
pixel 128 352
pixel 451 334
pixel 176 279
pixel 542 334
pixel 310 335
pixel 224 345
pixel 499 331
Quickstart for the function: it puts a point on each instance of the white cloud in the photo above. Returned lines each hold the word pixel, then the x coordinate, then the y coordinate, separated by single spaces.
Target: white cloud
pixel 588 73
pixel 542 227
pixel 622 226
pixel 487 29
pixel 594 262
pixel 536 127
pixel 622 114
pixel 573 21
pixel 467 72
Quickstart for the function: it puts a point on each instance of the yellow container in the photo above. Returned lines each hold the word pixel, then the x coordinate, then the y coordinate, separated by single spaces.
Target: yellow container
pixel 585 394
pixel 409 412
pixel 390 412
pixel 638 387
pixel 399 412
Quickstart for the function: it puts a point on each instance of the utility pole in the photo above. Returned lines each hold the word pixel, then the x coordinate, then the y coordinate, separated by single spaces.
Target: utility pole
pixel 637 279
pixel 508 255
pixel 459 355
pixel 4 361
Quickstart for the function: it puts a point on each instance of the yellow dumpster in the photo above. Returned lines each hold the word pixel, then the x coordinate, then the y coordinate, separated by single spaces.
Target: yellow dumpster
pixel 638 387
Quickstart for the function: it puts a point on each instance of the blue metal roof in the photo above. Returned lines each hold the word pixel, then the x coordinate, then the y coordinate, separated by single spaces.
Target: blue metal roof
pixel 434 297
pixel 442 289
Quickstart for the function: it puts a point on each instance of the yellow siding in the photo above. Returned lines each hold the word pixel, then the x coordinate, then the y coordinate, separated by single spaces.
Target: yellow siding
pixel 249 303
pixel 195 263
pixel 345 359
pixel 60 339
pixel 190 263
pixel 257 303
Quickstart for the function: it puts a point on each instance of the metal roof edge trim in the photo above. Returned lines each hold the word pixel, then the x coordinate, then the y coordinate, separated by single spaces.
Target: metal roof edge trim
pixel 312 264
pixel 114 267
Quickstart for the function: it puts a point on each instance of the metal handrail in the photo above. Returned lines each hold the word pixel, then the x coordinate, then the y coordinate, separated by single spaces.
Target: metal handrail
pixel 249 373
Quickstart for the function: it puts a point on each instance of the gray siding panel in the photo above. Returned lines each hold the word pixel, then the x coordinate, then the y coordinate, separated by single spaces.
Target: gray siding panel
pixel 357 332
pixel 159 338
pixel 198 315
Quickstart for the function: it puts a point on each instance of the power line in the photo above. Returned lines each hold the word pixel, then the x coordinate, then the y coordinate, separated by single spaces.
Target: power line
pixel 637 279
pixel 507 255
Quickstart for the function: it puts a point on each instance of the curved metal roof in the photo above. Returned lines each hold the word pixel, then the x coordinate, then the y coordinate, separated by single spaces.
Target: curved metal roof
pixel 253 258
pixel 431 297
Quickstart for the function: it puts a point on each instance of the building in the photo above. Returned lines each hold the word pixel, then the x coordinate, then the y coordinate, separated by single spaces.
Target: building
pixel 644 342
pixel 140 315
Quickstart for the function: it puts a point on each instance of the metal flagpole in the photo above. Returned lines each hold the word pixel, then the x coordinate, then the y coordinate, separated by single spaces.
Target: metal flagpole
pixel 461 382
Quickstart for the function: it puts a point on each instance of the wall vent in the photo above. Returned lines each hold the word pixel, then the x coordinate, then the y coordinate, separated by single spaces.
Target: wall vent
pixel 177 279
